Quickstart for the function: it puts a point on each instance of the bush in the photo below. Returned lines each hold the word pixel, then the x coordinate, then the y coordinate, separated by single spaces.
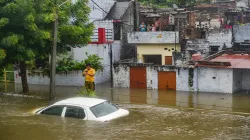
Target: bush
pixel 67 64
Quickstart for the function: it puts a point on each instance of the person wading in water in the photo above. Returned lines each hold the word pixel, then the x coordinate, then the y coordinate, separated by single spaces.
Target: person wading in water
pixel 89 74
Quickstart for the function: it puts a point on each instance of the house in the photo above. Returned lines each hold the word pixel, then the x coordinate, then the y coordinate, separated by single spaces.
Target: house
pixel 212 31
pixel 155 47
pixel 125 19
pixel 223 72
pixel 158 47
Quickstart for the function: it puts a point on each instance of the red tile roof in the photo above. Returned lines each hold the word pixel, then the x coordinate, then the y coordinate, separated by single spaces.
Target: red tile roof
pixel 241 61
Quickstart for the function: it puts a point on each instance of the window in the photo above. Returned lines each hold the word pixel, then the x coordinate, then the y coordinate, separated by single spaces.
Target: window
pixel 117 31
pixel 155 59
pixel 75 112
pixel 57 110
pixel 103 109
pixel 214 49
pixel 203 35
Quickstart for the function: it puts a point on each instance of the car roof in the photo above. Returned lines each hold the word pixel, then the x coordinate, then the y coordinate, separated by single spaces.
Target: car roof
pixel 81 101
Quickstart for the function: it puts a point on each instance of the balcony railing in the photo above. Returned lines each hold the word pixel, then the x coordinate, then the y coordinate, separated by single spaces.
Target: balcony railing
pixel 102 35
pixel 163 37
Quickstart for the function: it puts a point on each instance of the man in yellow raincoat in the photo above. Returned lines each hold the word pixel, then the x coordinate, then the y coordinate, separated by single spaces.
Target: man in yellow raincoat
pixel 89 74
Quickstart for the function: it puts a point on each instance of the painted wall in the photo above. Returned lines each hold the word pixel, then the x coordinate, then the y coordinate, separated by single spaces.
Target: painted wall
pixel 79 54
pixel 215 38
pixel 215 80
pixel 182 80
pixel 218 38
pixel 96 13
pixel 241 32
pixel 121 76
pixel 109 27
pixel 153 37
pixel 204 79
pixel 156 49
pixel 237 80
pixel 245 79
pixel 152 78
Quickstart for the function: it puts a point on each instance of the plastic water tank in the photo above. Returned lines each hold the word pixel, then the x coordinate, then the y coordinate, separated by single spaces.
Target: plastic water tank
pixel 196 57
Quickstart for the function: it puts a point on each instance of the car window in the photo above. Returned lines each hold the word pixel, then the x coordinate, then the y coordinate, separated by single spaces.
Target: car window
pixel 75 112
pixel 103 109
pixel 56 110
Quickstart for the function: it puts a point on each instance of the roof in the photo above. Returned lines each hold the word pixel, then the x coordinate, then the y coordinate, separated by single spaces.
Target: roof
pixel 228 60
pixel 119 9
pixel 81 101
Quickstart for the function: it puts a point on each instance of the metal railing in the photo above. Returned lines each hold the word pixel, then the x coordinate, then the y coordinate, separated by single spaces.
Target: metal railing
pixel 7 77
pixel 109 35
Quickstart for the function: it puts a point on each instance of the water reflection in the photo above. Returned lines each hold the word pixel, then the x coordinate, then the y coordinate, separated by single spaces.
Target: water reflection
pixel 144 122
pixel 239 102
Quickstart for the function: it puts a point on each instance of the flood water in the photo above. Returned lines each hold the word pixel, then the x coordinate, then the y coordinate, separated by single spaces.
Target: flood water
pixel 153 115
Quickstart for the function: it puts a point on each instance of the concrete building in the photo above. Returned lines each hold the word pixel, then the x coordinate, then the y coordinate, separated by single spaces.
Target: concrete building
pixel 99 9
pixel 214 42
pixel 125 19
pixel 224 72
pixel 155 47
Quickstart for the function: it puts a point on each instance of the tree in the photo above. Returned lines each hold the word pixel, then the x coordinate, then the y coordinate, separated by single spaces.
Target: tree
pixel 26 30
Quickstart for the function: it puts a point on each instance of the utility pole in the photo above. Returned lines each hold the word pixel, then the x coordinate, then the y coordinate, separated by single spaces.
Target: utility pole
pixel 53 58
pixel 53 54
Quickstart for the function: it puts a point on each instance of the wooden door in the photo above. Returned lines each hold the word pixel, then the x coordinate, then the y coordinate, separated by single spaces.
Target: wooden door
pixel 138 78
pixel 168 60
pixel 167 80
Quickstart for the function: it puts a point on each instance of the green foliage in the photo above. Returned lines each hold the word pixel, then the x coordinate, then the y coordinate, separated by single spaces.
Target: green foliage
pixel 190 78
pixel 2 55
pixel 26 28
pixel 67 64
pixel 84 92
pixel 95 62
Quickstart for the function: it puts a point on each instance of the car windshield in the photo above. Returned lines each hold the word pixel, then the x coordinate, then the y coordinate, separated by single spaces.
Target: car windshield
pixel 103 109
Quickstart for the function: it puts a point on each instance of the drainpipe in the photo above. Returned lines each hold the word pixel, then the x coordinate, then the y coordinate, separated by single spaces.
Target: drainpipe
pixel 111 65
pixel 197 79
pixel 175 47
pixel 111 72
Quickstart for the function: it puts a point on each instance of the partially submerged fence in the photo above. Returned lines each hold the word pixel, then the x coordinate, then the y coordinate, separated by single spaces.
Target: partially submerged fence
pixel 7 77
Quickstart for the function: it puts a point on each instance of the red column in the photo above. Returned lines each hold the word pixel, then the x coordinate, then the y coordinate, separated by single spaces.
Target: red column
pixel 101 36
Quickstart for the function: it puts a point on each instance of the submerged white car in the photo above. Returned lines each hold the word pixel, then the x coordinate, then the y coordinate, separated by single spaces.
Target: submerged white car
pixel 85 108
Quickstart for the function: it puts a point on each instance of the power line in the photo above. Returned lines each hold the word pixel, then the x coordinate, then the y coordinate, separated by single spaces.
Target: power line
pixel 108 13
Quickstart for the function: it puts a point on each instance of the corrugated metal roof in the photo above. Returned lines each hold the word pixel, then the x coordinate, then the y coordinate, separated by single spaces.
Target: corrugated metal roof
pixel 240 61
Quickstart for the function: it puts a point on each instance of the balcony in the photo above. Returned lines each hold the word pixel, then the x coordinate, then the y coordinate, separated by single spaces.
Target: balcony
pixel 164 37
pixel 102 36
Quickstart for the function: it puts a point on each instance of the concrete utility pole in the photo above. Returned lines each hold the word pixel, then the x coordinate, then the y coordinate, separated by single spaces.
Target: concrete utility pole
pixel 53 54
pixel 53 58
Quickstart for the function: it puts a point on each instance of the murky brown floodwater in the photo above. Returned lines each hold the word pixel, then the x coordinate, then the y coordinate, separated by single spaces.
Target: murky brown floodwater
pixel 153 115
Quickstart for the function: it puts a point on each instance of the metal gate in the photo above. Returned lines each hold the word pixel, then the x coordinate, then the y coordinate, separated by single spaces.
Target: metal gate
pixel 167 80
pixel 7 77
pixel 138 78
